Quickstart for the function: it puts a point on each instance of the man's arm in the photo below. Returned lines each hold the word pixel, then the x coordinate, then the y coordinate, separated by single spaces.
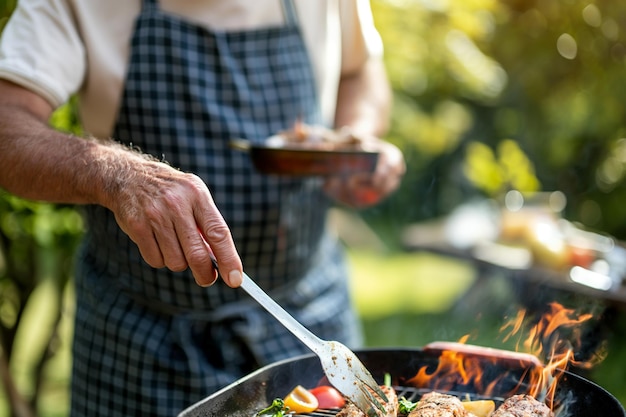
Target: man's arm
pixel 169 214
pixel 364 100
pixel 364 105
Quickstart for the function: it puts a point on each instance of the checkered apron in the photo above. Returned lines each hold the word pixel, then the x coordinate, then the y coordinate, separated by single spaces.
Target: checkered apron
pixel 150 341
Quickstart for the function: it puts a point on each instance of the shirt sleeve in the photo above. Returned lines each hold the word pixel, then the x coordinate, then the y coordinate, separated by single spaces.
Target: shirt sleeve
pixel 360 38
pixel 40 49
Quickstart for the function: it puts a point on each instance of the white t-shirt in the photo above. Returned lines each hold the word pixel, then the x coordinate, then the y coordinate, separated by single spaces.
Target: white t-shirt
pixel 61 47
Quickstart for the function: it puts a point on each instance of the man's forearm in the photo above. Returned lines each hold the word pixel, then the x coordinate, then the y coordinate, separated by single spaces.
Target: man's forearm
pixel 169 214
pixel 364 100
pixel 364 105
pixel 39 163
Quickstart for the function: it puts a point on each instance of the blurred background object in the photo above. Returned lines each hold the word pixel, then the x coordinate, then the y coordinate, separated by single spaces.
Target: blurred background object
pixel 492 96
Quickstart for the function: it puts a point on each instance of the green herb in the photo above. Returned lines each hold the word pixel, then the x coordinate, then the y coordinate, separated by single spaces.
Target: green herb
pixel 276 409
pixel 387 380
pixel 405 406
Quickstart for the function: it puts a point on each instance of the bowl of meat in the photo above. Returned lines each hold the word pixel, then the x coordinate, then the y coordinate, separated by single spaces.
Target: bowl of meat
pixel 310 151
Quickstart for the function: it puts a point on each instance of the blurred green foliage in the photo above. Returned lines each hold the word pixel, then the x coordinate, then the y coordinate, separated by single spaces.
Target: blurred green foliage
pixel 37 245
pixel 496 95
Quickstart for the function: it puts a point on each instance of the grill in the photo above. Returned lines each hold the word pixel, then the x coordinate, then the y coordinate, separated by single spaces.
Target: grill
pixel 412 394
pixel 576 396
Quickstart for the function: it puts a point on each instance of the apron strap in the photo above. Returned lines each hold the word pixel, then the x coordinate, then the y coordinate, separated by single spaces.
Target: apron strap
pixel 289 10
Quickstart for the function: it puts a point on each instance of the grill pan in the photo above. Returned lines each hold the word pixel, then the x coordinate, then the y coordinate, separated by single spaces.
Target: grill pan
pixel 245 397
pixel 293 161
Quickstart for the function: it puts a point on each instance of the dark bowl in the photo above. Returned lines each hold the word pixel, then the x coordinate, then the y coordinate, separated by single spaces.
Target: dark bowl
pixel 296 161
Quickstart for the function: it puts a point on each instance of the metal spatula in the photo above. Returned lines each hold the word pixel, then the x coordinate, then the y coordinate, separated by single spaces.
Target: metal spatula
pixel 341 366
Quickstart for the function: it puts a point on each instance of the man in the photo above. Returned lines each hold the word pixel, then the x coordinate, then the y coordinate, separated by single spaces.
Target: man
pixel 172 82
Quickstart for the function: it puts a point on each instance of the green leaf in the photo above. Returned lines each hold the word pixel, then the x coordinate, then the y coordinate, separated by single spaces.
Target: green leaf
pixel 276 409
pixel 406 406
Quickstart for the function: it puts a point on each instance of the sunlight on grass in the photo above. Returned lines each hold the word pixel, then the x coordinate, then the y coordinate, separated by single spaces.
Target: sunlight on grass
pixel 406 282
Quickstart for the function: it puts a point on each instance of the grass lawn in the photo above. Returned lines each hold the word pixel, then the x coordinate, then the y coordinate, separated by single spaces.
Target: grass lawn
pixel 405 300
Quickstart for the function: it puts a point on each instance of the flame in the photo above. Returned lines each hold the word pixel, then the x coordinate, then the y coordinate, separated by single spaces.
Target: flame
pixel 554 339
pixel 455 368
pixel 544 350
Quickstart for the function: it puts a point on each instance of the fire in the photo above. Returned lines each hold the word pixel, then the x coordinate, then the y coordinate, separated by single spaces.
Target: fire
pixel 554 339
pixel 456 368
pixel 544 350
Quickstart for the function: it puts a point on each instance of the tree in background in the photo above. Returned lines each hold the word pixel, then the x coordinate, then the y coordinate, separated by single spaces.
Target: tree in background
pixel 480 83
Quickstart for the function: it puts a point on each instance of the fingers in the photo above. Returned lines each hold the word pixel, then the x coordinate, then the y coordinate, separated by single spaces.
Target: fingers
pixel 140 231
pixel 355 191
pixel 194 250
pixel 217 234
pixel 176 224
pixel 364 190
pixel 389 170
pixel 168 240
pixel 183 246
pixel 203 234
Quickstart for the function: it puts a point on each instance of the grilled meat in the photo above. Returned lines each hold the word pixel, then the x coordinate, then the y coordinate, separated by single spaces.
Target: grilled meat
pixel 435 404
pixel 391 408
pixel 317 137
pixel 522 406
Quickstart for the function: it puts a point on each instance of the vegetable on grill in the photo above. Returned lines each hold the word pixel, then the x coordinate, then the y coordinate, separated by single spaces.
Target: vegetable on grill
pixel 301 400
pixel 432 404
pixel 405 406
pixel 328 397
pixel 276 409
pixel 480 408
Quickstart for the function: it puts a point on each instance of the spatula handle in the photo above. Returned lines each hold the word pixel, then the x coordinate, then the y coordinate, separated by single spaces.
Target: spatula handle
pixel 309 339
pixel 294 326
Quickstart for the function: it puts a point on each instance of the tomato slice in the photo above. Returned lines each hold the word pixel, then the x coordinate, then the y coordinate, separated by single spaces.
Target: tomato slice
pixel 328 397
pixel 301 400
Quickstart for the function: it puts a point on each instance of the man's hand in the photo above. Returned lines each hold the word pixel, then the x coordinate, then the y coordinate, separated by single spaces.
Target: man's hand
pixel 169 214
pixel 172 218
pixel 364 190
